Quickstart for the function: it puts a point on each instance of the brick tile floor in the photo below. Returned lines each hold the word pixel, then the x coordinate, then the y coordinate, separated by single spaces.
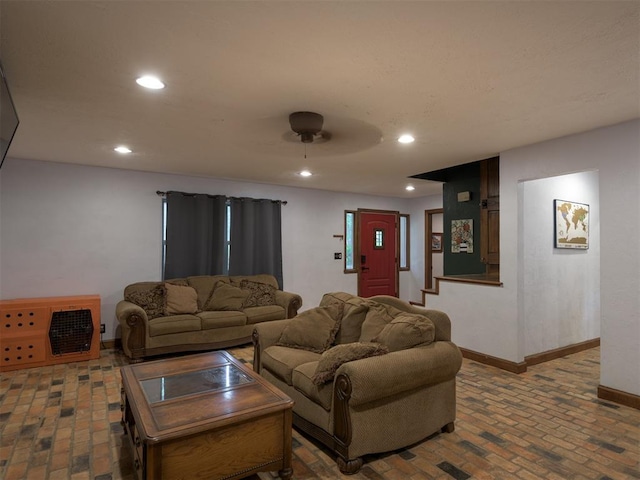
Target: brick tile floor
pixel 63 422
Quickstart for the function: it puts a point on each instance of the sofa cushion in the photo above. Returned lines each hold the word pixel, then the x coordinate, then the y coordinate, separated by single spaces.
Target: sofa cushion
pixel 226 297
pixel 220 319
pixel 302 380
pixel 260 278
pixel 347 352
pixel 180 299
pixel 281 361
pixel 314 329
pixel 405 331
pixel 204 285
pixel 264 314
pixel 150 296
pixel 354 312
pixel 351 324
pixel 174 324
pixel 377 317
pixel 260 294
pixel 333 298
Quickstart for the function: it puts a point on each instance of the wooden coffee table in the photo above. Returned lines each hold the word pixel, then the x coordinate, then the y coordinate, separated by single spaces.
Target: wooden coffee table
pixel 204 416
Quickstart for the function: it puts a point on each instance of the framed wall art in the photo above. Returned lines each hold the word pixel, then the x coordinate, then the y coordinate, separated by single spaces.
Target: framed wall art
pixel 462 236
pixel 571 224
pixel 436 242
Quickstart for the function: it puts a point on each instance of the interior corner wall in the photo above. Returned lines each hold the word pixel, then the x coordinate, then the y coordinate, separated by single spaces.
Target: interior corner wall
pixel 491 320
pixel 561 287
pixel 70 229
pixel 615 153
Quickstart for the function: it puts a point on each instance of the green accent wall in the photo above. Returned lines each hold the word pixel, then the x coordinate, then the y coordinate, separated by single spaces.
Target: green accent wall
pixel 463 178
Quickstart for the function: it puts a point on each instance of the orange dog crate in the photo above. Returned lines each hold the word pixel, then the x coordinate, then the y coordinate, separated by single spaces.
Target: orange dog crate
pixel 45 331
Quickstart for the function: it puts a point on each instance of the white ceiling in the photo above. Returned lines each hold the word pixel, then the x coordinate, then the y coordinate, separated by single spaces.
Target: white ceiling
pixel 468 79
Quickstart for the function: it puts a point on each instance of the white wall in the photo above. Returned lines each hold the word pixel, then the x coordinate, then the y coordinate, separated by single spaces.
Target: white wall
pixel 615 153
pixel 492 320
pixel 561 287
pixel 71 230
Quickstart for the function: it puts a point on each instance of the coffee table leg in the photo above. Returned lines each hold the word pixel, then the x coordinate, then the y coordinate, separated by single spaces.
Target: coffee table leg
pixel 286 473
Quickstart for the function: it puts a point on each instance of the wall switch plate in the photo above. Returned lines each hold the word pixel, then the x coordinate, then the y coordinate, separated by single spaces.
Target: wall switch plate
pixel 337 256
pixel 103 328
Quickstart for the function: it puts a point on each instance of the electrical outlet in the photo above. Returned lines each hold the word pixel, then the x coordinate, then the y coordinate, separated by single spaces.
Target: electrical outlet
pixel 337 256
pixel 103 328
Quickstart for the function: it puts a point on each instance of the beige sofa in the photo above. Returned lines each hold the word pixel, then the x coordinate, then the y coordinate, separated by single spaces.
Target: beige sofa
pixel 351 395
pixel 198 313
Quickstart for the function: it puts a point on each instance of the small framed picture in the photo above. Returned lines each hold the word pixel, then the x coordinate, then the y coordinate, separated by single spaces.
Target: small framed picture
pixel 436 242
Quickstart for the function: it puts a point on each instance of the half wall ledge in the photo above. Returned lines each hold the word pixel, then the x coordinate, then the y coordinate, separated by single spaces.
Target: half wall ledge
pixel 487 279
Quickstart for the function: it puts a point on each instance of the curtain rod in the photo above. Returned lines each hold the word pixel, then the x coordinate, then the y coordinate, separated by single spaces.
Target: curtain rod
pixel 164 194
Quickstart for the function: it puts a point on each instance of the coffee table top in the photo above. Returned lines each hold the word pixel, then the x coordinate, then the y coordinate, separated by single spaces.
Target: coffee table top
pixel 170 387
pixel 180 396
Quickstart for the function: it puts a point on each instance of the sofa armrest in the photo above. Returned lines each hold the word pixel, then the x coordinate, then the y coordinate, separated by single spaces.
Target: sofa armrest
pixel 125 309
pixel 266 334
pixel 134 324
pixel 396 372
pixel 291 302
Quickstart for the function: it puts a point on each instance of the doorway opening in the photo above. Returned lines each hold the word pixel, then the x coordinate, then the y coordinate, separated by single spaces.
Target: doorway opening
pixel 433 262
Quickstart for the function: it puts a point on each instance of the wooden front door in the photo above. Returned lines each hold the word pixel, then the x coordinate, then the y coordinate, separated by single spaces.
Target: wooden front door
pixel 378 265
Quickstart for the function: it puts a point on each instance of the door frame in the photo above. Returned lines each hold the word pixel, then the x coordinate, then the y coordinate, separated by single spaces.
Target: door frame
pixel 428 252
pixel 357 241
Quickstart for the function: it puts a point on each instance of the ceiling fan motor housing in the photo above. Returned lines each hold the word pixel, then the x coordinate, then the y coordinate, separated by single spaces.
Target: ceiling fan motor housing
pixel 306 124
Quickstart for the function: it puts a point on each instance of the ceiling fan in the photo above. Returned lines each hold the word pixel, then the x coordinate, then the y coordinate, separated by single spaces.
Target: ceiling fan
pixel 308 126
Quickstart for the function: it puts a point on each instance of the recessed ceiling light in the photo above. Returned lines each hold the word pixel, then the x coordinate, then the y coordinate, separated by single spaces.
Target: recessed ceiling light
pixel 122 149
pixel 409 188
pixel 305 173
pixel 149 81
pixel 406 138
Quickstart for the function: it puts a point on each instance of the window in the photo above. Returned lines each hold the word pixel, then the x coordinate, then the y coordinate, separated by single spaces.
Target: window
pixel 378 238
pixel 404 242
pixel 227 228
pixel 220 235
pixel 349 240
pixel 164 233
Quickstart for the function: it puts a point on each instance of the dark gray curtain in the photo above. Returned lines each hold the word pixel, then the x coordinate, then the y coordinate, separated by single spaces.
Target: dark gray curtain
pixel 196 240
pixel 256 238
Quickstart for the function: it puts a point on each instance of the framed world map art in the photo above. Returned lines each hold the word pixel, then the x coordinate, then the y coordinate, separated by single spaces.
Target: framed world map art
pixel 571 224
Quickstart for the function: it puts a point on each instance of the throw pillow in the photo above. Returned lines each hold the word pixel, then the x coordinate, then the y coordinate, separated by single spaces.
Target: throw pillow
pixel 355 310
pixel 181 299
pixel 347 352
pixel 405 331
pixel 260 294
pixel 226 297
pixel 313 330
pixel 152 301
pixel 376 318
pixel 351 325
